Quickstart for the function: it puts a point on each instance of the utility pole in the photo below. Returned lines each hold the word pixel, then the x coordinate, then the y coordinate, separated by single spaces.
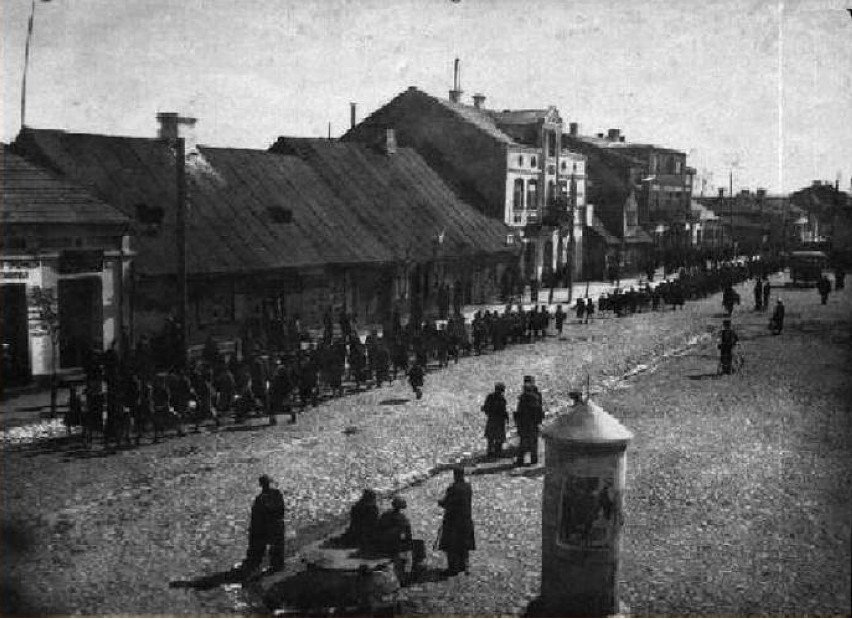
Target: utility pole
pixel 180 228
pixel 571 240
pixel 30 25
pixel 731 212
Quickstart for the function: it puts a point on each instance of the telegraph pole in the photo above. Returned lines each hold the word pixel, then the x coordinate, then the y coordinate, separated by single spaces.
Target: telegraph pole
pixel 731 212
pixel 180 228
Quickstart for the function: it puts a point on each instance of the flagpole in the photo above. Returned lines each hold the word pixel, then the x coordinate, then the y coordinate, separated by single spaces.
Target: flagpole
pixel 26 65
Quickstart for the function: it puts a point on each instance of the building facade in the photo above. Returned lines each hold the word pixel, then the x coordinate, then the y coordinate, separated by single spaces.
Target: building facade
pixel 65 271
pixel 511 165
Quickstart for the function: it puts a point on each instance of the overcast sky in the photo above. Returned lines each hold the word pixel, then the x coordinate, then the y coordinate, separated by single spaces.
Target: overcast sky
pixel 761 85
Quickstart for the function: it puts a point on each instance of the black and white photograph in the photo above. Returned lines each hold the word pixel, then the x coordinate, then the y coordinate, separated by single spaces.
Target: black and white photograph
pixel 426 308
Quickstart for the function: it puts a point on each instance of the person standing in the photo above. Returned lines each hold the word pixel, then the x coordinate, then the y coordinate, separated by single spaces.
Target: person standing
pixel 528 417
pixel 580 309
pixel 415 378
pixel 758 295
pixel 457 536
pixel 776 323
pixel 495 426
pixel 727 341
pixel 266 529
pixel 590 309
pixel 394 535
pixel 559 318
pixel 824 288
pixel 767 288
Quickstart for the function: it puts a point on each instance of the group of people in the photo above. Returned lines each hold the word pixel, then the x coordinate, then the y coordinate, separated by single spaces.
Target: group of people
pixel 528 417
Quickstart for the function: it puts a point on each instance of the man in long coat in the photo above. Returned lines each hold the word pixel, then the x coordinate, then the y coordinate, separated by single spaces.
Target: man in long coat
pixel 528 417
pixel 266 528
pixel 495 426
pixel 457 536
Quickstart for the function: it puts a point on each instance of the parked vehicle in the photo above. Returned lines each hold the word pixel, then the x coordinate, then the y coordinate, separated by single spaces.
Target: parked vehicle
pixel 806 267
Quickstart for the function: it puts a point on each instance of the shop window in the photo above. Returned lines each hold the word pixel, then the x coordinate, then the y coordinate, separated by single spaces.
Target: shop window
pixel 518 195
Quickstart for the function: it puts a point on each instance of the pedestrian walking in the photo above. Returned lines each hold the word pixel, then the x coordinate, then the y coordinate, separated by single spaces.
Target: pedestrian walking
pixel 529 415
pixel 266 529
pixel 727 341
pixel 415 379
pixel 497 417
pixel 767 288
pixel 457 535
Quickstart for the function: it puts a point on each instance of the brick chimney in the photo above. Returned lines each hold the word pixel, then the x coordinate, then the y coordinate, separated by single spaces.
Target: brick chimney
pixel 573 130
pixel 174 126
pixel 352 113
pixel 389 145
pixel 478 100
pixel 613 134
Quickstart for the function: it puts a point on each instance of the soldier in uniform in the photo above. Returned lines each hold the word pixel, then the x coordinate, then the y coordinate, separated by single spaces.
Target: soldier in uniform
pixel 528 417
pixel 727 341
pixel 457 534
pixel 266 529
pixel 495 426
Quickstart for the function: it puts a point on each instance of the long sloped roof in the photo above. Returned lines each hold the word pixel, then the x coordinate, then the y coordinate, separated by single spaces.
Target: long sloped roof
pixel 33 195
pixel 400 199
pixel 253 210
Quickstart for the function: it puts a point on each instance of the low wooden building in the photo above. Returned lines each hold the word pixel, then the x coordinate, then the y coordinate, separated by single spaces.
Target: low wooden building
pixel 65 264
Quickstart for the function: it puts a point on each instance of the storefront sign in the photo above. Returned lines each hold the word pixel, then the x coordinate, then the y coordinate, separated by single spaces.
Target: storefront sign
pixel 81 261
pixel 14 274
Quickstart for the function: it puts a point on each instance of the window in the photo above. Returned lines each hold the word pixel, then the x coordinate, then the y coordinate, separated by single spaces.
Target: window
pixel 551 143
pixel 521 161
pixel 518 195
pixel 548 197
pixel 564 165
pixel 533 162
pixel 532 194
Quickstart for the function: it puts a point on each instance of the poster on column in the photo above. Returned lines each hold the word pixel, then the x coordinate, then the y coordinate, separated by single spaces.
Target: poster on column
pixel 588 505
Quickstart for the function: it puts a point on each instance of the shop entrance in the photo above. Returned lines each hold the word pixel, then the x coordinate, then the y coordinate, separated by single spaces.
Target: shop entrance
pixel 80 320
pixel 15 330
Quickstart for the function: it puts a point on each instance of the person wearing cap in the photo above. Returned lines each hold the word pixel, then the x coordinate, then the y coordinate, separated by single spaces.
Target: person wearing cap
pixel 394 535
pixel 528 417
pixel 495 425
pixel 266 528
pixel 457 535
pixel 727 341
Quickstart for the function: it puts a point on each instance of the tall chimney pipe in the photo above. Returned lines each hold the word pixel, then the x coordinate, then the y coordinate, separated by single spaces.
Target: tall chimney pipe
pixel 352 108
pixel 455 93
pixel 456 82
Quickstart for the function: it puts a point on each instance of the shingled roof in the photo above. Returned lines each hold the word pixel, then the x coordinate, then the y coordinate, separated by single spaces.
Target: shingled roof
pixel 253 211
pixel 401 198
pixel 33 195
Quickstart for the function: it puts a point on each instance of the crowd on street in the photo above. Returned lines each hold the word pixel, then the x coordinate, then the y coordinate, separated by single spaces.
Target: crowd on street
pixel 141 392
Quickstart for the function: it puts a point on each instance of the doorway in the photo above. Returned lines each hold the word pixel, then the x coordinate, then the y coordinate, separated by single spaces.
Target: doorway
pixel 80 320
pixel 15 330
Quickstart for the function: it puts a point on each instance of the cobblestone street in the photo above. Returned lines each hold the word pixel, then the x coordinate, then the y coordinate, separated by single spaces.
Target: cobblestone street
pixel 737 501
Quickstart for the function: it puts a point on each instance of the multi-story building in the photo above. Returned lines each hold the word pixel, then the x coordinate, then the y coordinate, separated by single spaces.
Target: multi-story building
pixel 647 186
pixel 511 165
